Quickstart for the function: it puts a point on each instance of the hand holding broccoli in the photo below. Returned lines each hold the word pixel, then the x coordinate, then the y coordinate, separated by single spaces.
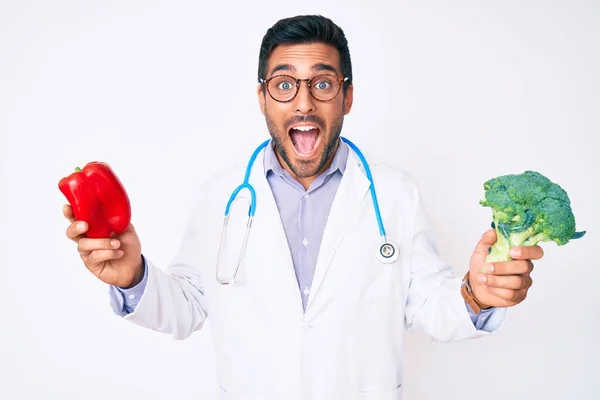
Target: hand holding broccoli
pixel 527 209
pixel 504 283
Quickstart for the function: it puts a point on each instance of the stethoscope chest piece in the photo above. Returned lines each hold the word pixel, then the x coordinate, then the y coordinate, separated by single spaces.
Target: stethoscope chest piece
pixel 387 253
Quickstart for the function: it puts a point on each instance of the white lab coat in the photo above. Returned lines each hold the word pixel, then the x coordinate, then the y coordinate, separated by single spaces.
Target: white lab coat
pixel 348 344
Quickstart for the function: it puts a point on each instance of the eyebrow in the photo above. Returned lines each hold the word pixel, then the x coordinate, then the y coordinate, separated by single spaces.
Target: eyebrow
pixel 316 67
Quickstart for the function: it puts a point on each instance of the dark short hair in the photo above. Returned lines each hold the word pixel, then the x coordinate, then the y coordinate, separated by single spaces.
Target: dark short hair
pixel 305 29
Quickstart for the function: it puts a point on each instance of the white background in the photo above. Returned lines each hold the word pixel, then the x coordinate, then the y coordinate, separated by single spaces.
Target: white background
pixel 454 92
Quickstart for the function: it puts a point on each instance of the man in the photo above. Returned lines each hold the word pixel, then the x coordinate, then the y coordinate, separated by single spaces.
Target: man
pixel 314 314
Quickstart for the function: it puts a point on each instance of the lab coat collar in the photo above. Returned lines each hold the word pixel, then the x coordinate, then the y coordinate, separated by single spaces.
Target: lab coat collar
pixel 268 230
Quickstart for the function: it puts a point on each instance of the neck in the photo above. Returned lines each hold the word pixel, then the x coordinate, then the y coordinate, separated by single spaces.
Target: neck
pixel 307 181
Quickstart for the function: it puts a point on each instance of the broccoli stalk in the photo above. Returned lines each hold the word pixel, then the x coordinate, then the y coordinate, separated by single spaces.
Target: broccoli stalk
pixel 527 209
pixel 527 237
pixel 499 251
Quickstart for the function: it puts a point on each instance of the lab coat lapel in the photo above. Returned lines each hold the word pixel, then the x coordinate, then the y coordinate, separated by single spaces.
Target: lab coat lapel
pixel 270 244
pixel 351 193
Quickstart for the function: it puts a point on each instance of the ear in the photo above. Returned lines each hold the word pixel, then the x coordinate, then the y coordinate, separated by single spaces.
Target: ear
pixel 261 98
pixel 348 98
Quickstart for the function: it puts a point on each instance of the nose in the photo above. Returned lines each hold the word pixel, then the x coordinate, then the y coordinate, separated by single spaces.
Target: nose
pixel 304 103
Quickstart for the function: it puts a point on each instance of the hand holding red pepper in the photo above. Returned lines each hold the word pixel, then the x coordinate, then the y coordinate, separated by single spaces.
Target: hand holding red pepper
pixel 100 217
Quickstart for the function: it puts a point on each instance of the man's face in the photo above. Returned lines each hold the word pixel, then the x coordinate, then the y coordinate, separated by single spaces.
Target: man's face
pixel 305 131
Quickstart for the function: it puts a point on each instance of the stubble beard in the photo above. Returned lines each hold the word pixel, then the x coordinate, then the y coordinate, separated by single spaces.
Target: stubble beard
pixel 306 168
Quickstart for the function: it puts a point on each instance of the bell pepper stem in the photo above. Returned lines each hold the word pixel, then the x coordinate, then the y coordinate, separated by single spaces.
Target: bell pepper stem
pixel 77 169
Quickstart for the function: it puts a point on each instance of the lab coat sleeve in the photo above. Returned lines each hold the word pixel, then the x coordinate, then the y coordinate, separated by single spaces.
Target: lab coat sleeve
pixel 434 304
pixel 173 300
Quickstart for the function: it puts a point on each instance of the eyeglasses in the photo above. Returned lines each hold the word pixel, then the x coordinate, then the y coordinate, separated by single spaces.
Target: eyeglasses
pixel 284 88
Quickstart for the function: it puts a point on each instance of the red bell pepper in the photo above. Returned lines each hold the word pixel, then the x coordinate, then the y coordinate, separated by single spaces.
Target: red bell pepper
pixel 97 197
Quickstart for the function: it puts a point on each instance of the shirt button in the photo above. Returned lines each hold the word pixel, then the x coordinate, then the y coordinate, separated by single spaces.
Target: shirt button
pixel 131 296
pixel 306 290
pixel 306 196
pixel 305 242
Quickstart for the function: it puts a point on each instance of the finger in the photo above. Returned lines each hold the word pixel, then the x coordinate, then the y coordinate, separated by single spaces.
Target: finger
pixel 86 245
pixel 481 249
pixel 510 295
pixel 526 253
pixel 76 230
pixel 99 256
pixel 513 282
pixel 68 213
pixel 515 267
pixel 487 240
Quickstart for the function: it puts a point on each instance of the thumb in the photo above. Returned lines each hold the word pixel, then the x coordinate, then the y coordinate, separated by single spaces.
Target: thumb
pixel 487 240
pixel 482 248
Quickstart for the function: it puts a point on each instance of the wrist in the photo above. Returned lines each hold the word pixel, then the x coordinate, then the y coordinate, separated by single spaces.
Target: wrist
pixel 468 295
pixel 138 276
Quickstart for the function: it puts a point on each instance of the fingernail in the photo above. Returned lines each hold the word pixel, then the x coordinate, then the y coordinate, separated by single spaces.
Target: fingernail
pixel 489 250
pixel 114 243
pixel 482 278
pixel 119 253
pixel 514 252
pixel 487 268
pixel 80 226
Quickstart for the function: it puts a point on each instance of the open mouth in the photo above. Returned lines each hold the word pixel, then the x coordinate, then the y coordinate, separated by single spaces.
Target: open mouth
pixel 305 138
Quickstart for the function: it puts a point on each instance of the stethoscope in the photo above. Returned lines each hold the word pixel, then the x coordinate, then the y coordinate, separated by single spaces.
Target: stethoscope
pixel 387 252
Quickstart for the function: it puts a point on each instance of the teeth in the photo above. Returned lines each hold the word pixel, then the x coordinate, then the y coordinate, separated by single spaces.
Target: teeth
pixel 304 128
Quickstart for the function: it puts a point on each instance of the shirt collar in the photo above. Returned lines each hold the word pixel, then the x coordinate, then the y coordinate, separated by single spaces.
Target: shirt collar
pixel 271 162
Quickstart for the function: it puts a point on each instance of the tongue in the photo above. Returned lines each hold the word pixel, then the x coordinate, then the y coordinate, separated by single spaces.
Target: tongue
pixel 304 141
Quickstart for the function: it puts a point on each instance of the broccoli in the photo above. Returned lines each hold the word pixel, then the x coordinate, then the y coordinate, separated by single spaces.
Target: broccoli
pixel 527 209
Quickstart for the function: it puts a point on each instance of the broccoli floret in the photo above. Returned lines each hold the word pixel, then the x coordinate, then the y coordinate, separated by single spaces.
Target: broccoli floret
pixel 527 209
